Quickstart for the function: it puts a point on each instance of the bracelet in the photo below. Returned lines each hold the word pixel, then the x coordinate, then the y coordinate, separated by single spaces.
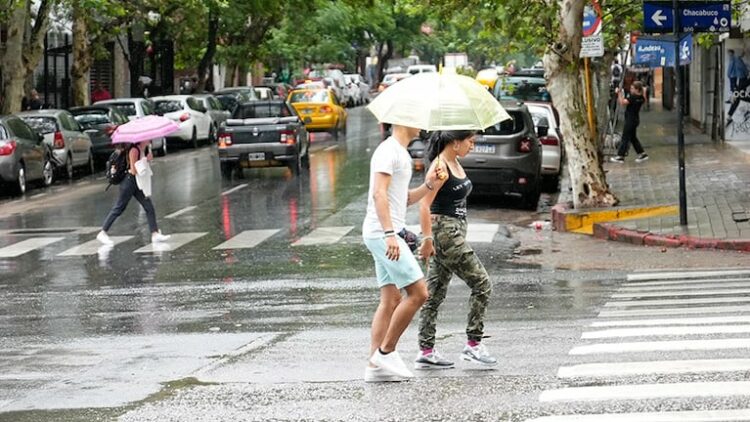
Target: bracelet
pixel 424 239
pixel 428 186
pixel 391 234
pixel 389 231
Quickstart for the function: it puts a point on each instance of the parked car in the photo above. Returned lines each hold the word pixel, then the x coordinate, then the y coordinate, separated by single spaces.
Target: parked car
pixel 188 112
pixel 280 89
pixel 99 122
pixel 71 147
pixel 215 110
pixel 547 123
pixel 24 156
pixel 319 110
pixel 507 158
pixel 421 68
pixel 364 88
pixel 391 79
pixel 523 88
pixel 264 93
pixel 263 133
pixel 136 108
pixel 243 93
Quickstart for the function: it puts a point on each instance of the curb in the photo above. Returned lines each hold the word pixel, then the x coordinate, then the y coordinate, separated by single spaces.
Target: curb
pixel 608 231
pixel 565 219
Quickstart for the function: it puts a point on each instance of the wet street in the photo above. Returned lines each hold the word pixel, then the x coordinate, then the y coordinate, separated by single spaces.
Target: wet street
pixel 259 306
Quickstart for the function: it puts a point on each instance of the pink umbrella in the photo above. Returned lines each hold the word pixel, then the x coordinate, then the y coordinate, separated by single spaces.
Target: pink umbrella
pixel 145 129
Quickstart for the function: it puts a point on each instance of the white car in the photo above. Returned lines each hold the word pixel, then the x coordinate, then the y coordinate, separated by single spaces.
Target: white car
pixel 188 112
pixel 363 91
pixel 136 108
pixel 421 68
pixel 552 148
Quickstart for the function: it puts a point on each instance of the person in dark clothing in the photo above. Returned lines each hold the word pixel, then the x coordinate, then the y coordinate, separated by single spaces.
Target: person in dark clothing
pixel 34 103
pixel 632 102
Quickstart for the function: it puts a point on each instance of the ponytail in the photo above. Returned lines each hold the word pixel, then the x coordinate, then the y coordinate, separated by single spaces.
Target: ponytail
pixel 440 139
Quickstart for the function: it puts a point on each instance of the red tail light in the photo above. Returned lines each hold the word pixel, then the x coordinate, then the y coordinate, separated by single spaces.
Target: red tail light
pixel 287 137
pixel 185 116
pixel 225 140
pixel 7 147
pixel 109 130
pixel 59 142
pixel 326 109
pixel 549 140
pixel 525 145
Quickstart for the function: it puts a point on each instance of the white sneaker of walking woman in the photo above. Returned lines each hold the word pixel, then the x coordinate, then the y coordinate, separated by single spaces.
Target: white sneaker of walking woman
pixel 392 363
pixel 103 238
pixel 157 237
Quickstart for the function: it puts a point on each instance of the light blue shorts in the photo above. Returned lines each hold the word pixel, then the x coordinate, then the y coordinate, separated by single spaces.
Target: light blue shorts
pixel 402 273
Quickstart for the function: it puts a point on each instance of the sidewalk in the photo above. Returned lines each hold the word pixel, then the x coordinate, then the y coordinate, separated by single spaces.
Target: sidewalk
pixel 718 188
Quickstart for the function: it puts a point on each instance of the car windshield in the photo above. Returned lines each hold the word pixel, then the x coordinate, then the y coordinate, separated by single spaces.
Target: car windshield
pixel 228 101
pixel 167 106
pixel 524 89
pixel 42 125
pixel 127 109
pixel 511 126
pixel 92 119
pixel 261 110
pixel 309 97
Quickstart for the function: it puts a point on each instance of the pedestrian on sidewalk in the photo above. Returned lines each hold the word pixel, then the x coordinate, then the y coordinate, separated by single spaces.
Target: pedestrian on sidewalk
pixel 443 220
pixel 632 102
pixel 137 183
pixel 395 265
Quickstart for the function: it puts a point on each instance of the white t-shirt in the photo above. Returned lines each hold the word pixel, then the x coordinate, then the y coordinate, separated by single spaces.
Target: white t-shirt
pixel 392 158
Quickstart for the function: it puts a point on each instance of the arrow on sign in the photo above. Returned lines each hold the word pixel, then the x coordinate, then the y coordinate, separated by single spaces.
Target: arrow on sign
pixel 658 18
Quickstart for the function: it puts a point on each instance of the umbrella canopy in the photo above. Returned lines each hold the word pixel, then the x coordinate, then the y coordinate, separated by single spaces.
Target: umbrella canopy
pixel 438 101
pixel 145 129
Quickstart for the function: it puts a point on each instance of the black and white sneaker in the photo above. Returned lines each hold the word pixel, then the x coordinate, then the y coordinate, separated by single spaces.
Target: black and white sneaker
pixel 432 360
pixel 617 159
pixel 641 158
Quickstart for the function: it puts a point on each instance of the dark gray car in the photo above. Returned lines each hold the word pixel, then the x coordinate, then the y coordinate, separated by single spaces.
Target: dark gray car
pixel 24 156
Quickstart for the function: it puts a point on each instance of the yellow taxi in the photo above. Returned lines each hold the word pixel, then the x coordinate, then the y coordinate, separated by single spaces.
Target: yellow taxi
pixel 487 77
pixel 319 110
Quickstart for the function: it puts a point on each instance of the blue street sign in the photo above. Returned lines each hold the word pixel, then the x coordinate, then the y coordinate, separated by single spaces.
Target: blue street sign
pixel 686 49
pixel 592 19
pixel 707 16
pixel 660 52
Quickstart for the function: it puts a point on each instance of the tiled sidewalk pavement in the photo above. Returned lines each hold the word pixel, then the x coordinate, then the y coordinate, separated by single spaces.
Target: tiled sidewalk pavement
pixel 718 181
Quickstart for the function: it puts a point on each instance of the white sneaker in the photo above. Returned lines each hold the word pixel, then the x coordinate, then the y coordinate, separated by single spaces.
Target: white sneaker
pixel 380 375
pixel 433 360
pixel 392 363
pixel 479 355
pixel 103 237
pixel 158 237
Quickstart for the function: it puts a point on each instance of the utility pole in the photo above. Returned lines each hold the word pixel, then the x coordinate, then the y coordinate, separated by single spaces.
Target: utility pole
pixel 680 103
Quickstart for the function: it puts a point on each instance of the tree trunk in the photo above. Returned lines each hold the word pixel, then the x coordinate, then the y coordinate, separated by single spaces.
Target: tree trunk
pixel 34 48
pixel 603 77
pixel 11 63
pixel 82 59
pixel 383 58
pixel 563 68
pixel 205 65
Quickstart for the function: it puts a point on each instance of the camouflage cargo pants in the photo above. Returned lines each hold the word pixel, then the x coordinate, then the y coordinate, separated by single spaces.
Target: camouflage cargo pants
pixel 453 256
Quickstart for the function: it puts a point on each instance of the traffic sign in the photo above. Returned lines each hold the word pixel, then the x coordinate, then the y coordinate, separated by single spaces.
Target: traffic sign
pixel 695 16
pixel 686 49
pixel 592 19
pixel 660 51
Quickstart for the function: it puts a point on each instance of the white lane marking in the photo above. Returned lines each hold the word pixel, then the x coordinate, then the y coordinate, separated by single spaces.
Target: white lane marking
pixel 686 416
pixel 675 311
pixel 682 293
pixel 26 246
pixel 624 369
pixel 234 189
pixel 180 212
pixel 671 302
pixel 481 233
pixel 324 236
pixel 685 275
pixel 672 321
pixel 685 287
pixel 648 391
pixel 176 241
pixel 92 247
pixel 247 239
pixel 667 331
pixel 331 148
pixel 38 195
pixel 661 346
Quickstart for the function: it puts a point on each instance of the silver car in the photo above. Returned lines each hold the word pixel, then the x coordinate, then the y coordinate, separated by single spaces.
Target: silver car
pixel 547 123
pixel 216 111
pixel 70 145
pixel 24 156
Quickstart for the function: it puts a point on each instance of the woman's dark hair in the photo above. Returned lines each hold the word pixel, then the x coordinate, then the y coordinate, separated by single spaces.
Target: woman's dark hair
pixel 439 139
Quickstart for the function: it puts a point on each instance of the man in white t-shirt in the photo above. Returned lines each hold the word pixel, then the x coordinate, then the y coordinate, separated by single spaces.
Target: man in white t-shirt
pixel 395 264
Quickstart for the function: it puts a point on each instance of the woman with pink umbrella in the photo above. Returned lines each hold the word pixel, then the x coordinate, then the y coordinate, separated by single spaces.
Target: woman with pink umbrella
pixel 135 138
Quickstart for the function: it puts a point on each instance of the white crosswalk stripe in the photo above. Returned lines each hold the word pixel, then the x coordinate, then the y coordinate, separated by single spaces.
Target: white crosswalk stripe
pixel 672 321
pixel 324 236
pixel 732 283
pixel 176 241
pixel 247 239
pixel 685 416
pixel 26 246
pixel 670 302
pixel 661 346
pixel 648 391
pixel 475 232
pixel 673 293
pixel 92 247
pixel 684 275
pixel 667 331
pixel 675 311
pixel 622 369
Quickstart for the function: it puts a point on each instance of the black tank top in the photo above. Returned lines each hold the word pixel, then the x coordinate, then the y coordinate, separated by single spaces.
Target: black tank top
pixel 451 198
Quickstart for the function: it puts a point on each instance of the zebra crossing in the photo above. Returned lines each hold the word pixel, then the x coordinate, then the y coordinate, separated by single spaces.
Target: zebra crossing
pixel 248 239
pixel 639 352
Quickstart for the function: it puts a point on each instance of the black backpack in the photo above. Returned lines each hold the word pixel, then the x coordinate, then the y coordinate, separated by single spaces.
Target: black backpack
pixel 117 166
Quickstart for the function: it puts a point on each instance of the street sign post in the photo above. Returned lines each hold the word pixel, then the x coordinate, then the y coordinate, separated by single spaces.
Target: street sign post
pixel 660 51
pixel 694 16
pixel 592 45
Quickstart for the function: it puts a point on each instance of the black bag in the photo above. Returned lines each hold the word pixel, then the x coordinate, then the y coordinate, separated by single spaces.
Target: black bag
pixel 117 166
pixel 410 238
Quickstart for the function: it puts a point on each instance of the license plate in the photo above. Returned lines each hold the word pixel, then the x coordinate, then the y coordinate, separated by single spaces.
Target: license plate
pixel 256 156
pixel 484 148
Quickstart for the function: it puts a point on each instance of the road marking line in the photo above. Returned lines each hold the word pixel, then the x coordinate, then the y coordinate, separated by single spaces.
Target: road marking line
pixel 686 416
pixel 481 233
pixel 176 241
pixel 180 212
pixel 667 331
pixel 324 236
pixel 675 311
pixel 684 275
pixel 92 247
pixel 670 302
pixel 672 321
pixel 678 293
pixel 683 287
pixel 247 239
pixel 235 189
pixel 648 391
pixel 661 346
pixel 714 281
pixel 26 246
pixel 624 369
pixel 331 148
pixel 38 195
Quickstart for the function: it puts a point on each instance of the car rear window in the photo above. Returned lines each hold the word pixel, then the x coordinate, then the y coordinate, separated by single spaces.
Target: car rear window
pixel 92 119
pixel 309 97
pixel 42 125
pixel 127 109
pixel 511 126
pixel 167 106
pixel 228 102
pixel 261 110
pixel 524 89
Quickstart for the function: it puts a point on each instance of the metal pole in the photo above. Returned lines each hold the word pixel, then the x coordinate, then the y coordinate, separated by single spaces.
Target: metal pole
pixel 680 103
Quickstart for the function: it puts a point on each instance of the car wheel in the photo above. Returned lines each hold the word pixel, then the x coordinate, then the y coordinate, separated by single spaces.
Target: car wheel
pixel 552 183
pixel 227 169
pixel 163 150
pixel 530 200
pixel 194 138
pixel 90 164
pixel 212 134
pixel 335 133
pixel 48 172
pixel 68 168
pixel 296 165
pixel 20 187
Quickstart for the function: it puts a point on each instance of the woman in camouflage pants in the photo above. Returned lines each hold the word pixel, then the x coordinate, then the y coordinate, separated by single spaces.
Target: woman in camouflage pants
pixel 443 220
